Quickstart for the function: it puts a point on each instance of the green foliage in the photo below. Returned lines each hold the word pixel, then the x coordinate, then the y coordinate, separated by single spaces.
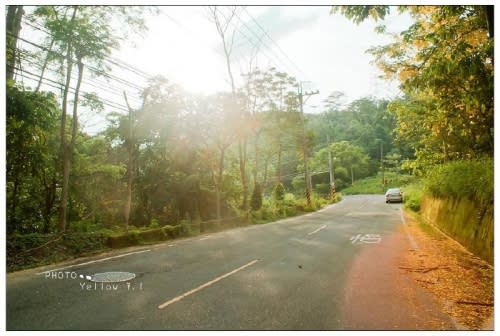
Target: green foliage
pixel 360 13
pixel 347 158
pixel 31 155
pixel 373 184
pixel 447 113
pixel 35 249
pixel 84 226
pixel 472 179
pixel 256 200
pixel 299 184
pixel 279 192
pixel 412 195
pixel 365 123
pixel 322 188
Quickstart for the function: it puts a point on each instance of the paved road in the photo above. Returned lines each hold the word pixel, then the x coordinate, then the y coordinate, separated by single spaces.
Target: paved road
pixel 286 275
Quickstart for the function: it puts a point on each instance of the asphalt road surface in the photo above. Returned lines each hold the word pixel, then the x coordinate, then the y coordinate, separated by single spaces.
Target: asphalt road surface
pixel 287 275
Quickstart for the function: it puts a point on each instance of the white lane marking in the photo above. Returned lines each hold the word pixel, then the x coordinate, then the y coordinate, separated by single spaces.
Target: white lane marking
pixel 93 261
pixel 410 237
pixel 192 291
pixel 321 228
pixel 204 238
pixel 170 245
pixel 369 238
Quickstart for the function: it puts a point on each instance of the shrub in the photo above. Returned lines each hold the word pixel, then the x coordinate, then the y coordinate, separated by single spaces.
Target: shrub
pixel 154 223
pixel 472 179
pixel 289 199
pixel 337 198
pixel 290 211
pixel 322 188
pixel 171 231
pixel 185 228
pixel 279 192
pixel 152 235
pixel 83 226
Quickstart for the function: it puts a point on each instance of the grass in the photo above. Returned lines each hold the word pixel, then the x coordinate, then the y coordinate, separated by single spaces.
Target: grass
pixel 412 195
pixel 472 179
pixel 373 184
pixel 427 228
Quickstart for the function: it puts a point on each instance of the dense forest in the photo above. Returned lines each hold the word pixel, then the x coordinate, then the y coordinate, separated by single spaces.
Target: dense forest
pixel 184 157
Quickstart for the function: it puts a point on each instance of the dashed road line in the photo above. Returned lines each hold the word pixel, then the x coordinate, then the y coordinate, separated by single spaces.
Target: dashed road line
pixel 320 228
pixel 192 291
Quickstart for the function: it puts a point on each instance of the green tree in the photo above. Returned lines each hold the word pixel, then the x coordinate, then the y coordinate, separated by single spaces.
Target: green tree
pixel 84 36
pixel 31 142
pixel 444 62
pixel 348 159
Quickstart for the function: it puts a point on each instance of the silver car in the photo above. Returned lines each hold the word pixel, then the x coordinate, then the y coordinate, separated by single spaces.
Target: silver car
pixel 393 195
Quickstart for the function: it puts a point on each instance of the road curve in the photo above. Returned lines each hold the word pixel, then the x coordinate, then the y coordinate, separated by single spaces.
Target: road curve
pixel 289 275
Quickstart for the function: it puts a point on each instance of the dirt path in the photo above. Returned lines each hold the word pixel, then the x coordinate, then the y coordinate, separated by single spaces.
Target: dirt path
pixel 418 279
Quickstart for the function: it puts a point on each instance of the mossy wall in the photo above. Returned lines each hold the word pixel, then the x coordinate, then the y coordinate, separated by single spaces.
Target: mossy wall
pixel 469 223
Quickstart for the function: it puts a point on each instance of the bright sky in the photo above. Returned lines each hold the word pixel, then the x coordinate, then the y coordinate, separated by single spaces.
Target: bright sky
pixel 327 52
pixel 307 42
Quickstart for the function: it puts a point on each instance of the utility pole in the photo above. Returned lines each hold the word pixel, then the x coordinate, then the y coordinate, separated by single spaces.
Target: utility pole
pixel 307 175
pixel 331 169
pixel 352 177
pixel 382 164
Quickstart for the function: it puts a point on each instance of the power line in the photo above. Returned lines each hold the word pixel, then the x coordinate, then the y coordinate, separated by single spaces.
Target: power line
pixel 237 29
pixel 89 82
pixel 276 61
pixel 243 24
pixel 33 76
pixel 191 32
pixel 110 59
pixel 274 42
pixel 118 79
pixel 105 58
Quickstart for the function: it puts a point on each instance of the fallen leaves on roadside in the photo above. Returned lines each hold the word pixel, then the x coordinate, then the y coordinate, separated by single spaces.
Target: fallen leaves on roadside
pixel 462 282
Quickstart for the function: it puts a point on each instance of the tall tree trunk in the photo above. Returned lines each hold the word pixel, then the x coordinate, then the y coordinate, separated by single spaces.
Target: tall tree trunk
pixel 490 19
pixel 68 157
pixel 49 200
pixel 64 146
pixel 278 169
pixel 218 186
pixel 266 165
pixel 256 151
pixel 130 164
pixel 46 61
pixel 44 66
pixel 228 46
pixel 242 147
pixel 14 16
pixel 12 222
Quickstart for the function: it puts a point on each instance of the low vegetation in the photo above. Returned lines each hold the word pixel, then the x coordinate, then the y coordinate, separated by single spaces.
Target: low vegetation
pixel 373 184
pixel 472 179
pixel 37 249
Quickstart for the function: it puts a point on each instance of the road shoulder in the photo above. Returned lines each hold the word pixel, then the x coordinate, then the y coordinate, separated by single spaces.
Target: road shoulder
pixel 461 282
pixel 380 296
